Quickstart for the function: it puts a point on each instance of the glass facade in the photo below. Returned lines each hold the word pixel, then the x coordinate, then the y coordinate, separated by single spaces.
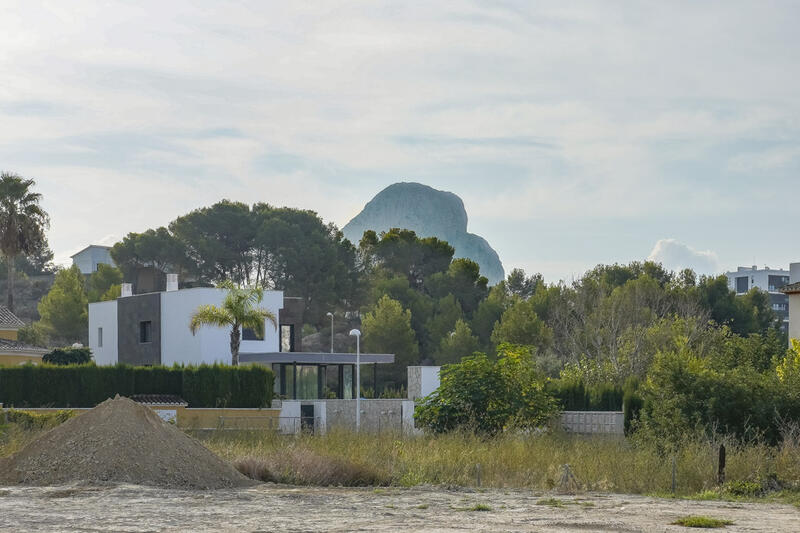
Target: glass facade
pixel 777 282
pixel 307 382
pixel 347 381
pixel 303 382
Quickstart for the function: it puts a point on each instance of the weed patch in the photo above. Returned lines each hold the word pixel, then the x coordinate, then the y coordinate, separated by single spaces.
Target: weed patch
pixel 702 522
pixel 552 502
pixel 480 507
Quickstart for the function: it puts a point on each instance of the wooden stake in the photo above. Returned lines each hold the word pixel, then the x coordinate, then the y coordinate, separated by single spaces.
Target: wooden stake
pixel 674 474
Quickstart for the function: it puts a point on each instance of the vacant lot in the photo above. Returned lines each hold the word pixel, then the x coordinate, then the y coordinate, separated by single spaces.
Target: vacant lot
pixel 282 508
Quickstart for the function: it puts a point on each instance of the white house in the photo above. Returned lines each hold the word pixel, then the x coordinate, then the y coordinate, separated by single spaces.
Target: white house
pixel 792 292
pixel 91 256
pixel 153 328
pixel 769 280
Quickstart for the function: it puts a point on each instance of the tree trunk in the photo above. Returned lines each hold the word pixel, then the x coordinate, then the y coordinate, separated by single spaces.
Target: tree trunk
pixel 10 283
pixel 235 341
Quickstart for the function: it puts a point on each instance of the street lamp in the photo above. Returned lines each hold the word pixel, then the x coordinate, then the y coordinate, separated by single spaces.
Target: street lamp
pixel 331 315
pixel 357 334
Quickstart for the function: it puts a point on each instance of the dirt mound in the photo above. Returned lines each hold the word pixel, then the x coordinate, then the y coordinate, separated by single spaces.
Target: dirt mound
pixel 119 441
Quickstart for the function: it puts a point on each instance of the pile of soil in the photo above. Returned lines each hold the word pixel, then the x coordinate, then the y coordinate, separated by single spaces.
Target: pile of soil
pixel 119 441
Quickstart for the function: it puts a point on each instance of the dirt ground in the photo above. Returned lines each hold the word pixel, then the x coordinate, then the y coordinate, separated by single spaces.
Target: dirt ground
pixel 132 508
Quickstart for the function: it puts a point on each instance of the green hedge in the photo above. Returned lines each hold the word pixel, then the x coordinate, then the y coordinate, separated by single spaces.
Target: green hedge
pixel 87 385
pixel 575 396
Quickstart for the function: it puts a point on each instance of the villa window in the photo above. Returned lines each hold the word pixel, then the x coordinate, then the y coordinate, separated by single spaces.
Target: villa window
pixel 742 285
pixel 145 332
pixel 249 334
pixel 287 338
pixel 99 337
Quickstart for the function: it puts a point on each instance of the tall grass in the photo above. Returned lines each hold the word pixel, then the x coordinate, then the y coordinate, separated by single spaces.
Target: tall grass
pixel 602 464
pixel 519 461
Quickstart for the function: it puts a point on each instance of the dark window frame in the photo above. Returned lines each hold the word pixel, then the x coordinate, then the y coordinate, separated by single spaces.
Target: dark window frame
pixel 145 332
pixel 739 284
pixel 290 328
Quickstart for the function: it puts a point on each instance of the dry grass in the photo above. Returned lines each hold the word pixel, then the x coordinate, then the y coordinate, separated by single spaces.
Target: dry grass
pixel 601 464
pixel 305 467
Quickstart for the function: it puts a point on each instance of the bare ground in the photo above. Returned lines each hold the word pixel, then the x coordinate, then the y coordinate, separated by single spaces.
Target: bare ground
pixel 133 508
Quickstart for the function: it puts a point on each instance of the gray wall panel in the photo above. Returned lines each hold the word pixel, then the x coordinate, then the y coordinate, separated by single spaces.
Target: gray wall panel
pixel 131 311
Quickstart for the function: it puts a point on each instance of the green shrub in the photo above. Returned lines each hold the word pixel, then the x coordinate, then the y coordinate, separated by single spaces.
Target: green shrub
pixel 685 392
pixel 701 522
pixel 68 356
pixel 632 403
pixel 87 385
pixel 488 397
pixel 743 488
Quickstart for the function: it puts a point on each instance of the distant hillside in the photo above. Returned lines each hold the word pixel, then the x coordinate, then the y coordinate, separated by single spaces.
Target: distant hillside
pixel 430 213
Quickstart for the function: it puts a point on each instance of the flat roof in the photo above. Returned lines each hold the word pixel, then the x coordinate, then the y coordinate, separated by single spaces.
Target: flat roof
pixel 316 358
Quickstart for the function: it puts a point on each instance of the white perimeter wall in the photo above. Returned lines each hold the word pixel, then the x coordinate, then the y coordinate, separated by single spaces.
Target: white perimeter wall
pixel 210 344
pixel 103 315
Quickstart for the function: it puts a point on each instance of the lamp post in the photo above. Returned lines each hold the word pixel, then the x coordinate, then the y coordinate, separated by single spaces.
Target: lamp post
pixel 357 334
pixel 331 315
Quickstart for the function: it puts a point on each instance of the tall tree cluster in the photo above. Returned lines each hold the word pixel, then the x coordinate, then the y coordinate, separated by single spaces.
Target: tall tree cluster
pixel 412 297
pixel 273 248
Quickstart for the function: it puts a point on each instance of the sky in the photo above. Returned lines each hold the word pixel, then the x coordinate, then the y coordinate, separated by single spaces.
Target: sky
pixel 576 133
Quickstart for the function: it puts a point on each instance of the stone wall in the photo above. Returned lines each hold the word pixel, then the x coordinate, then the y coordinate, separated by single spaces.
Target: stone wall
pixel 593 422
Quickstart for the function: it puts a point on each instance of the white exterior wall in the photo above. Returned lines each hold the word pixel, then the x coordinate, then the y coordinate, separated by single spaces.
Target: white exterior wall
pixel 794 316
pixel 755 278
pixel 210 344
pixel 430 379
pixel 422 380
pixel 289 418
pixel 88 259
pixel 794 272
pixel 103 315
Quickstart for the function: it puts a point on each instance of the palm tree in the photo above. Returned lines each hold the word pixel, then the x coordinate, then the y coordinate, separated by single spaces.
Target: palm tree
pixel 22 223
pixel 239 310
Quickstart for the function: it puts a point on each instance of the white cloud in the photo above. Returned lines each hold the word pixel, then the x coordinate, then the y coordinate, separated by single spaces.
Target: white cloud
pixel 675 255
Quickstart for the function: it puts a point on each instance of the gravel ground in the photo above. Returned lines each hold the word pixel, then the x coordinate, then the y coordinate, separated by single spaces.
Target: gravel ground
pixel 132 508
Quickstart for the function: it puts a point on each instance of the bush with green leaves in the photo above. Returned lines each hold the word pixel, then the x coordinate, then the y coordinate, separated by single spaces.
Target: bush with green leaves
pixel 488 396
pixel 68 356
pixel 686 393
